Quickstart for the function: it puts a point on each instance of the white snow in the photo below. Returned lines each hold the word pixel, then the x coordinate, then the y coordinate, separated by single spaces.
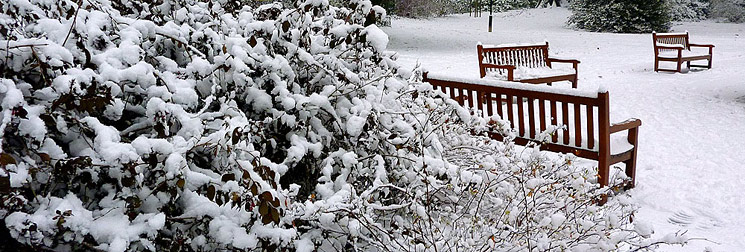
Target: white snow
pixel 690 159
pixel 377 38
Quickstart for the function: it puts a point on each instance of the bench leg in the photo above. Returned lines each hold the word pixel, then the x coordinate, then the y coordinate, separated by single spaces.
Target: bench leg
pixel 631 163
pixel 680 63
pixel 688 65
pixel 574 82
pixel 603 173
pixel 656 65
pixel 709 66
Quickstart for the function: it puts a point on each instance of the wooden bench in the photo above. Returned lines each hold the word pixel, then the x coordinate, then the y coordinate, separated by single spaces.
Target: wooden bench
pixel 531 109
pixel 675 47
pixel 523 59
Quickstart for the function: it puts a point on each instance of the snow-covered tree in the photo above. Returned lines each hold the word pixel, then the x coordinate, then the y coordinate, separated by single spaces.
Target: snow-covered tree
pixel 621 16
pixel 211 125
pixel 688 10
pixel 728 10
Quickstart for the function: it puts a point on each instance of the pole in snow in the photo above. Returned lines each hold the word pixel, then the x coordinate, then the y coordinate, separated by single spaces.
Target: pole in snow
pixel 491 2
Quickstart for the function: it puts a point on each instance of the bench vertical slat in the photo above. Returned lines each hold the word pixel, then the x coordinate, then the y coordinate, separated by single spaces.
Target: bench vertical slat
pixel 565 119
pixel 545 56
pixel 511 57
pixel 480 100
pixel 451 90
pixel 519 58
pixel 555 137
pixel 542 113
pixel 510 117
pixel 489 59
pixel 577 126
pixel 489 105
pixel 521 115
pixel 531 117
pixel 499 60
pixel 499 107
pixel 590 127
pixel 468 95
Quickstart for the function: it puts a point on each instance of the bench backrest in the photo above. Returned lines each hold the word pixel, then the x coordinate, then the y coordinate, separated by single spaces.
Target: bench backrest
pixel 670 39
pixel 530 56
pixel 531 109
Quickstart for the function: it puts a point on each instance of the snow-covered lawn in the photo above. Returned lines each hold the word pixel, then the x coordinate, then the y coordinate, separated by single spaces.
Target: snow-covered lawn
pixel 691 164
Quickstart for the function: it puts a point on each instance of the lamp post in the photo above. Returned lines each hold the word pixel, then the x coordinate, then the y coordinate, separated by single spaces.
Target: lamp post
pixel 491 2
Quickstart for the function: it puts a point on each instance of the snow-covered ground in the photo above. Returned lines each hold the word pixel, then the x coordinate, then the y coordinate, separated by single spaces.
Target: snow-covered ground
pixel 691 164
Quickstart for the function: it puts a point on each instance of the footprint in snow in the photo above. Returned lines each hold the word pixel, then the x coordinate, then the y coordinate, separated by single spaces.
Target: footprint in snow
pixel 686 218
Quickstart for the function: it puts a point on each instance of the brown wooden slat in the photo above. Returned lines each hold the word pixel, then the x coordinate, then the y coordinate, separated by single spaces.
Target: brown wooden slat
pixel 604 139
pixel 518 92
pixel 520 115
pixel 509 111
pixel 542 113
pixel 565 119
pixel 590 128
pixel 480 101
pixel 489 105
pixel 555 137
pixel 589 154
pixel 577 126
pixel 531 117
pixel 468 95
pixel 499 106
pixel 452 92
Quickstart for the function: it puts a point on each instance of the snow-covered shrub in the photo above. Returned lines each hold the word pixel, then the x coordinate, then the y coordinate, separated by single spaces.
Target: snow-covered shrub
pixel 208 125
pixel 728 10
pixel 620 16
pixel 688 10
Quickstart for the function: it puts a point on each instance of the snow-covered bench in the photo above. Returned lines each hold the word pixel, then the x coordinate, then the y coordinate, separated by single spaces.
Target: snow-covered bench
pixel 524 63
pixel 675 47
pixel 532 108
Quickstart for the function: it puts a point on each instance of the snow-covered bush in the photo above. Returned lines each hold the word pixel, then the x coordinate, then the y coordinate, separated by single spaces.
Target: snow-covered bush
pixel 728 10
pixel 209 125
pixel 688 10
pixel 620 16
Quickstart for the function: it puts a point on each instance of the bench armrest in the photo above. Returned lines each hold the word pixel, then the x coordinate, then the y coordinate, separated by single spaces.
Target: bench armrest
pixel 672 47
pixel 700 45
pixel 510 70
pixel 625 125
pixel 557 60
pixel 563 60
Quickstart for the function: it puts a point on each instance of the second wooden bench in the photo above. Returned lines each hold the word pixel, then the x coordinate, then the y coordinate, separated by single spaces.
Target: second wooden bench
pixel 531 109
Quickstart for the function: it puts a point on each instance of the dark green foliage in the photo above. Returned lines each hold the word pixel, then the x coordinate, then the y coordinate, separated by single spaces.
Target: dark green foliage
pixel 388 5
pixel 620 16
